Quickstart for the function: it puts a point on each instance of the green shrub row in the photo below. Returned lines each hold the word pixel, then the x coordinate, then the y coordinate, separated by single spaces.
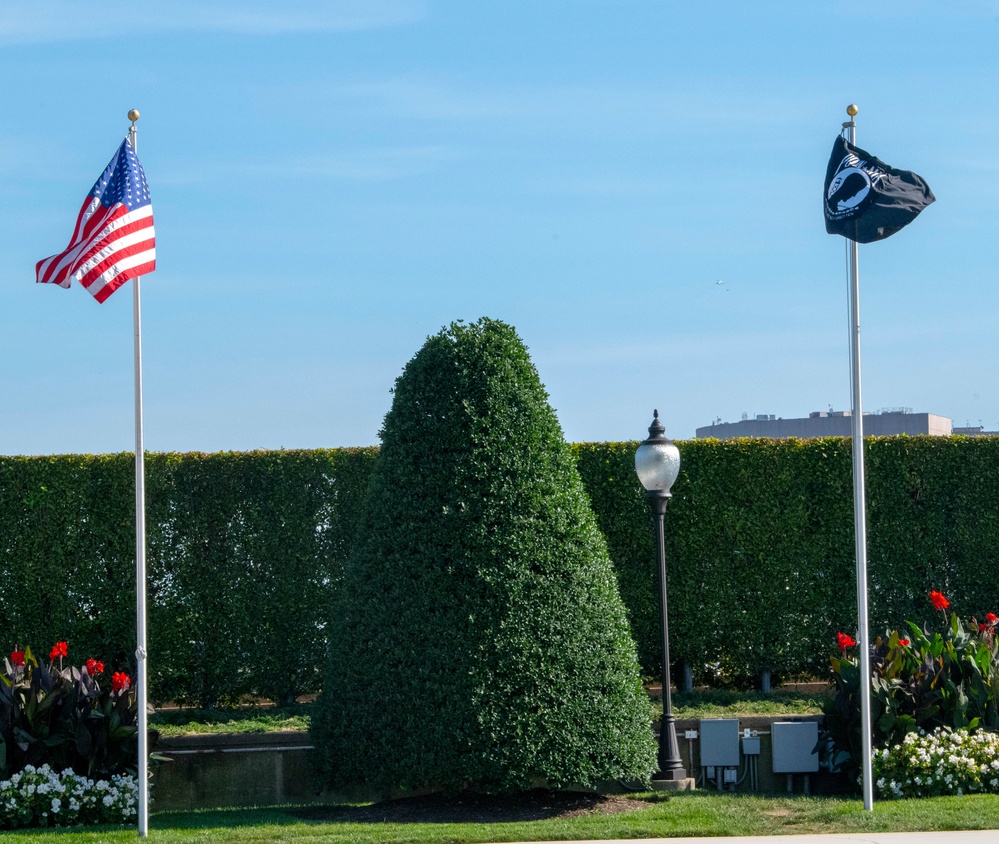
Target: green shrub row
pixel 245 552
pixel 760 543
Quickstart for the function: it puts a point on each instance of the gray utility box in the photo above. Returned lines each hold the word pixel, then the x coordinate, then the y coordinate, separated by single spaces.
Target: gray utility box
pixel 794 747
pixel 720 743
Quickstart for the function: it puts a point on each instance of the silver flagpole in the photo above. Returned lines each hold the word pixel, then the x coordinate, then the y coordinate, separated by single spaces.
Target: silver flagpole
pixel 140 553
pixel 859 505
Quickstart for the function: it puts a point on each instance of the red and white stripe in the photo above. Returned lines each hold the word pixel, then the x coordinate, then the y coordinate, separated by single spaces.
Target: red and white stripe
pixel 108 247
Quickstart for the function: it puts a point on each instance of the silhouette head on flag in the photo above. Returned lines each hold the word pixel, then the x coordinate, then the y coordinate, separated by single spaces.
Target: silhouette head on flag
pixel 866 199
pixel 114 239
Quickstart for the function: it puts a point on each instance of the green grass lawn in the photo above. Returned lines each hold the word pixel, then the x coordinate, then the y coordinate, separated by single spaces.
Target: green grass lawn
pixel 689 814
pixel 719 703
pixel 256 719
pixel 700 704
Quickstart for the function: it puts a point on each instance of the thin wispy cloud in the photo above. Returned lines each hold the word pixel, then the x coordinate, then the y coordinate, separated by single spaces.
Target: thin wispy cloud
pixel 651 105
pixel 361 165
pixel 694 349
pixel 599 187
pixel 435 99
pixel 368 165
pixel 898 9
pixel 67 20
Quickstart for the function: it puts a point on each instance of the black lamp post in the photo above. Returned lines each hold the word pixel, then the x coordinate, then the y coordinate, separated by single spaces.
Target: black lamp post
pixel 657 463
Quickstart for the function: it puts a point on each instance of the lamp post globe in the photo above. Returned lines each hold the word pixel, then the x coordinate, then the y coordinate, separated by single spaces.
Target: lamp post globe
pixel 657 460
pixel 657 463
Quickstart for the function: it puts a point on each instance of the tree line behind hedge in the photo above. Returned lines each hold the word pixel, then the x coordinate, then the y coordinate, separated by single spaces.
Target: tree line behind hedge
pixel 245 552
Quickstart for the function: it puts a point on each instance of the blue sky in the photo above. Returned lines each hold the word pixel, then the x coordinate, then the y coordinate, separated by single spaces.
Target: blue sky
pixel 333 182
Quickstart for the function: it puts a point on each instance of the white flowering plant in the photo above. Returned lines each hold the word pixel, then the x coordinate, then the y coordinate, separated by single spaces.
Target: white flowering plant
pixel 41 797
pixel 944 762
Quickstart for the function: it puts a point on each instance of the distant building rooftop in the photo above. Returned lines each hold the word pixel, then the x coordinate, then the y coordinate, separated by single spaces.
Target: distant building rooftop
pixel 886 422
pixel 974 431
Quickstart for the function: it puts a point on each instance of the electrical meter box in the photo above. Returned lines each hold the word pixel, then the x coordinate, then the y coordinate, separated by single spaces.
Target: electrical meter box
pixel 720 743
pixel 794 747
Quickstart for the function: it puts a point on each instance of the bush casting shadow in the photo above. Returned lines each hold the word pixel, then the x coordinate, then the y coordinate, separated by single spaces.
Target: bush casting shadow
pixel 481 641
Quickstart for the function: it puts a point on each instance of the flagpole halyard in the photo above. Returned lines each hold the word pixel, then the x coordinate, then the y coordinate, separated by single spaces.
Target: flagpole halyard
pixel 859 501
pixel 141 674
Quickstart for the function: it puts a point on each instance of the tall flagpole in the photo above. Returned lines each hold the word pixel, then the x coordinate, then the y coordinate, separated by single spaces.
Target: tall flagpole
pixel 859 505
pixel 140 552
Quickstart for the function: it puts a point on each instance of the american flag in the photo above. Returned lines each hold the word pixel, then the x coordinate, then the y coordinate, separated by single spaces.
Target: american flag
pixel 114 239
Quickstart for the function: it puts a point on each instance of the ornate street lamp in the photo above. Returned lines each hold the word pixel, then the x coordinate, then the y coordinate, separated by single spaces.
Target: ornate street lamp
pixel 657 463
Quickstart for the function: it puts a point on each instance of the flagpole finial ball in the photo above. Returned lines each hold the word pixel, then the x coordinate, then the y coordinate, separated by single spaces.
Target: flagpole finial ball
pixel 133 114
pixel 852 110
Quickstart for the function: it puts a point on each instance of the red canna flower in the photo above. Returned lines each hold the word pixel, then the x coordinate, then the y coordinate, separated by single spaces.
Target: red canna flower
pixel 844 641
pixel 981 627
pixel 991 618
pixel 17 659
pixel 58 649
pixel 938 600
pixel 94 667
pixel 120 682
pixel 904 642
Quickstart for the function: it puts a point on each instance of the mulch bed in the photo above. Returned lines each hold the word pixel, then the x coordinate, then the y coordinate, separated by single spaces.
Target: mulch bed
pixel 536 805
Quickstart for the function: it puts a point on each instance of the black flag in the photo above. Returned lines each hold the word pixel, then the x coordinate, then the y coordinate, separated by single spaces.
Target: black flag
pixel 867 200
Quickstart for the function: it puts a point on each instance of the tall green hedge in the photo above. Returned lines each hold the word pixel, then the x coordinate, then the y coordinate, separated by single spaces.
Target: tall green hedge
pixel 759 532
pixel 760 543
pixel 759 551
pixel 480 640
pixel 67 540
pixel 244 552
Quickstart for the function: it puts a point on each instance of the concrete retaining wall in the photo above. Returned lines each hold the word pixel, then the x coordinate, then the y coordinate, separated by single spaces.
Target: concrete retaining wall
pixel 209 771
pixel 267 769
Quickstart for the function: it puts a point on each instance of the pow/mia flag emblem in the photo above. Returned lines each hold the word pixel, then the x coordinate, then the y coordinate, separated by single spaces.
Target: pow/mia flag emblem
pixel 866 199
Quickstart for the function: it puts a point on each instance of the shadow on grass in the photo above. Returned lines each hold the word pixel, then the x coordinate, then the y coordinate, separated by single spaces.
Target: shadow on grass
pixel 648 816
pixel 227 818
pixel 464 808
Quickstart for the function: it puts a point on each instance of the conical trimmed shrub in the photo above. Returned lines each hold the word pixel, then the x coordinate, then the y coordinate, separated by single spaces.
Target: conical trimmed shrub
pixel 480 641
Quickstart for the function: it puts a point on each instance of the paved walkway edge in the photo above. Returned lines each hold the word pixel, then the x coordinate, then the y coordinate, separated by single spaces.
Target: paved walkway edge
pixel 977 836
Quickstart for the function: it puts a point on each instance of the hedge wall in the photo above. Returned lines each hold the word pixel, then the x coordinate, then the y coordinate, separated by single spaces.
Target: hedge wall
pixel 759 551
pixel 245 551
pixel 760 543
pixel 243 555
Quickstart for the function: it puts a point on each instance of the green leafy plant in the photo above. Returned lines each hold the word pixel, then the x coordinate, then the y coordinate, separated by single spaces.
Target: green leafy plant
pixel 944 762
pixel 921 680
pixel 59 715
pixel 481 641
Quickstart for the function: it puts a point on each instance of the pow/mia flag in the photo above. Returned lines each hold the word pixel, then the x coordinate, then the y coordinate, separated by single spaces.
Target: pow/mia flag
pixel 866 199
